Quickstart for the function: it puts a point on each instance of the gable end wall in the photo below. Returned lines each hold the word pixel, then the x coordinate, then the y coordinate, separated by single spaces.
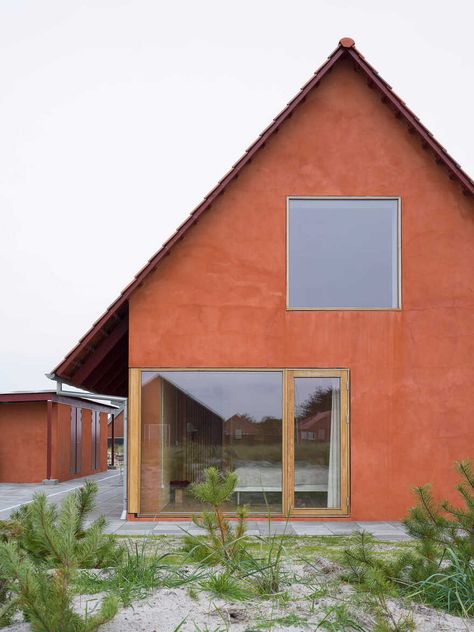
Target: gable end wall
pixel 218 300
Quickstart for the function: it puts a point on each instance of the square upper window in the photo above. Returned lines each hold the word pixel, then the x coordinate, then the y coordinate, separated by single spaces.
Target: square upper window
pixel 343 253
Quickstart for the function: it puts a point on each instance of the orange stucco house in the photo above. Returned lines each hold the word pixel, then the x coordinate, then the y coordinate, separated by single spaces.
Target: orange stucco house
pixel 311 325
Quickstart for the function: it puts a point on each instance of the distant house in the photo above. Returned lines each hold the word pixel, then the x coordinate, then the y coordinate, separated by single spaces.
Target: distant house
pixel 321 297
pixel 314 428
pixel 240 427
pixel 47 437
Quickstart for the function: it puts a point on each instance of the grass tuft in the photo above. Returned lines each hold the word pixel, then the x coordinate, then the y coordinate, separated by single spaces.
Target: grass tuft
pixel 224 585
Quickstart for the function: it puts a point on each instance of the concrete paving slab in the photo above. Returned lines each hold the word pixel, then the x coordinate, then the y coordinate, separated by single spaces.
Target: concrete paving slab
pixel 393 538
pixel 131 532
pixel 137 526
pixel 109 503
pixel 111 530
pixel 384 530
pixel 342 526
pixel 276 529
pixel 312 531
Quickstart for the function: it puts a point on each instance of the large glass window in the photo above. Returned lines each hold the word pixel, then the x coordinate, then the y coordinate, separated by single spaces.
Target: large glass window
pixel 284 432
pixel 343 253
pixel 194 419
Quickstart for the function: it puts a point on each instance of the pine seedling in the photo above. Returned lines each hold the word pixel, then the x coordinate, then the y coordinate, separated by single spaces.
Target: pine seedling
pixel 57 536
pixel 463 519
pixel 9 529
pixel 439 527
pixel 439 570
pixel 42 555
pixel 216 489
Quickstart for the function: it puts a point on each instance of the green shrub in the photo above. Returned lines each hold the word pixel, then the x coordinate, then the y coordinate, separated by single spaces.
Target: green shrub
pixel 40 557
pixel 47 533
pixel 339 619
pixel 451 588
pixel 264 569
pixel 439 570
pixel 222 543
pixel 9 529
pixel 134 577
pixel 225 585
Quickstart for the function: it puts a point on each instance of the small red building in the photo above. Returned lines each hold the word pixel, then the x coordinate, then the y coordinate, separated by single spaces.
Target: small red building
pixel 310 326
pixel 48 437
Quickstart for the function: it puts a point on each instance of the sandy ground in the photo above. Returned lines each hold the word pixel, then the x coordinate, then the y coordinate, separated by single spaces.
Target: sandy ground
pixel 166 610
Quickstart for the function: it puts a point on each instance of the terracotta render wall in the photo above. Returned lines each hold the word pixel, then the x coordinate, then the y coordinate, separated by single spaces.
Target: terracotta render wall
pixel 23 442
pixel 219 299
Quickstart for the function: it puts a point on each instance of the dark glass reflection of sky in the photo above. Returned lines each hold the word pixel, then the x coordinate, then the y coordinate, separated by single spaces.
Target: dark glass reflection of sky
pixel 305 387
pixel 255 393
pixel 343 253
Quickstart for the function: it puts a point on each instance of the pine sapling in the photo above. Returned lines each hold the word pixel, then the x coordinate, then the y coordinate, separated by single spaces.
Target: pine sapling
pixel 216 489
pixel 42 555
pixel 439 570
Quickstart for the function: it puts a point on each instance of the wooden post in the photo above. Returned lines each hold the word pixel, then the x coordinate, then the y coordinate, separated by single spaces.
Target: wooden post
pixel 134 440
pixel 112 455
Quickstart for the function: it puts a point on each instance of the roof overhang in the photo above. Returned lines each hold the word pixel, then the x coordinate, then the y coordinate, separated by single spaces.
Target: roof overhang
pixel 51 396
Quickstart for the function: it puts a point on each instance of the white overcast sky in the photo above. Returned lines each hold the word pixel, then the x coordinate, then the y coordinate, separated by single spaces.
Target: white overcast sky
pixel 116 118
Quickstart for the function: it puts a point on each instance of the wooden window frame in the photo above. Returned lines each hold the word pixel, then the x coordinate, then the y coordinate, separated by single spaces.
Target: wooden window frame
pixel 289 425
pixel 288 375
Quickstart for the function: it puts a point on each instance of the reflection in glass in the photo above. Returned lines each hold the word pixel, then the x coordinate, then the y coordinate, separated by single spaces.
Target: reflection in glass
pixel 317 442
pixel 194 419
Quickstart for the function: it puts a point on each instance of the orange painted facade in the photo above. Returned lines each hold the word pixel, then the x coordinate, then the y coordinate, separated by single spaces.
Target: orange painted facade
pixel 219 299
pixel 23 445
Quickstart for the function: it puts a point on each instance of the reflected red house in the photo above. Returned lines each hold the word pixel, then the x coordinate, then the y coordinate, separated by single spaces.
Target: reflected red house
pixel 315 428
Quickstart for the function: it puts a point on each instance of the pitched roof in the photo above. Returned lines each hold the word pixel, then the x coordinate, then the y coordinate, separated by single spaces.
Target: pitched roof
pixel 99 361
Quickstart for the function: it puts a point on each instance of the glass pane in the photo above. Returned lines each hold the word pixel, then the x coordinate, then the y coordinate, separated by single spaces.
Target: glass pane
pixel 317 442
pixel 194 419
pixel 343 253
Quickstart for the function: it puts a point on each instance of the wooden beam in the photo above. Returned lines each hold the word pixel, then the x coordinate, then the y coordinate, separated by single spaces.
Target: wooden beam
pixel 134 440
pixel 118 386
pixel 102 350
pixel 115 363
